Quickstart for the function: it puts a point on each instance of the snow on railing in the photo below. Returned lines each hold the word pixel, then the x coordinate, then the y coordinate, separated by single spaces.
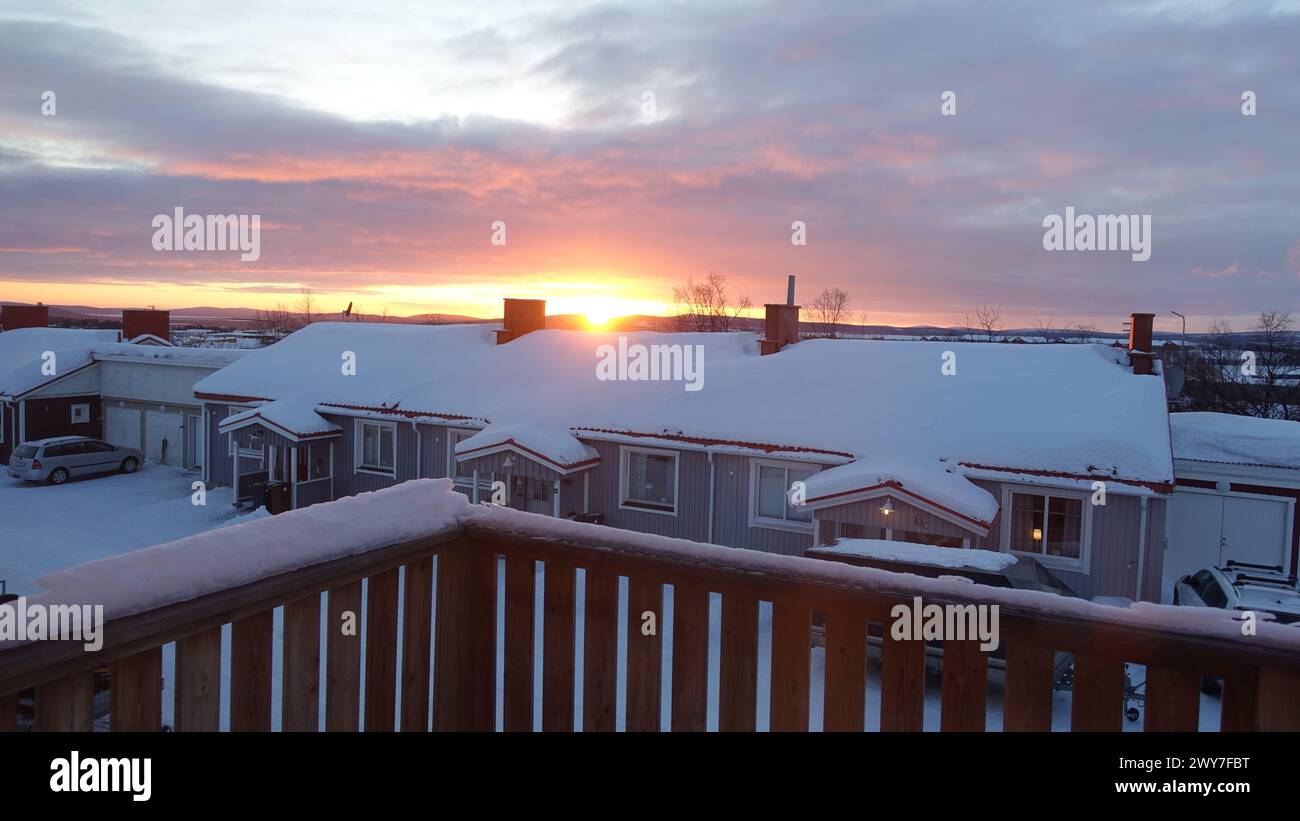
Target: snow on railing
pixel 185 591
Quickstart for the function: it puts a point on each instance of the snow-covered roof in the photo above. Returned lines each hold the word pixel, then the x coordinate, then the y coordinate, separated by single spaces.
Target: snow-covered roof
pixel 930 555
pixel 553 445
pixel 1236 440
pixel 198 357
pixel 1069 411
pixel 289 417
pixel 23 360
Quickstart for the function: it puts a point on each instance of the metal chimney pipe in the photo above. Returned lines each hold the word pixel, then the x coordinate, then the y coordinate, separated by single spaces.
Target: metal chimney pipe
pixel 789 291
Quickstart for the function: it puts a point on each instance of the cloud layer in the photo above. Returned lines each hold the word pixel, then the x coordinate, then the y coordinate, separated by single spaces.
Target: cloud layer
pixel 764 114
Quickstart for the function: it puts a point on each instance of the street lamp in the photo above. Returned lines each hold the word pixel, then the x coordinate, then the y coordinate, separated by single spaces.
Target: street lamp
pixel 1182 343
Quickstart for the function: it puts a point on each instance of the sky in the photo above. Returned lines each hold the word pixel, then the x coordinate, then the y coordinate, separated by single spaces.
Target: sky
pixel 379 143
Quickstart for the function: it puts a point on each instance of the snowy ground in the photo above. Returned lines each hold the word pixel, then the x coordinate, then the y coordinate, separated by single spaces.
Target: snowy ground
pixel 47 527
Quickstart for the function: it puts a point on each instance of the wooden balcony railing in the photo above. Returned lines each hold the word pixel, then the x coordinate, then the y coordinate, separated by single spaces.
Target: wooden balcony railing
pixel 461 567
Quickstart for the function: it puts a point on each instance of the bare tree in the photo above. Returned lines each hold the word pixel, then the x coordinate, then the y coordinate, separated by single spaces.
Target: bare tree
pixel 1044 329
pixel 1085 332
pixel 830 309
pixel 704 306
pixel 306 308
pixel 383 317
pixel 988 318
pixel 1277 366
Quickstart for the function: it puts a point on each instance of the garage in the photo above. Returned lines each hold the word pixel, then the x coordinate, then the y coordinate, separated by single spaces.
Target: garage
pixel 1206 528
pixel 163 437
pixel 122 426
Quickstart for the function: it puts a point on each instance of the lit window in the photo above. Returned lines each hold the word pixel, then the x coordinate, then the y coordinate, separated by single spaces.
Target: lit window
pixel 650 480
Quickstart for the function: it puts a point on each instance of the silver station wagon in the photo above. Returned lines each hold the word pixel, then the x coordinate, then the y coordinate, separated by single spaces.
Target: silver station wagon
pixel 58 459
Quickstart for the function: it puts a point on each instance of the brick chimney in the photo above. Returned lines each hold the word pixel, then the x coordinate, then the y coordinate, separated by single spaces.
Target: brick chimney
pixel 13 317
pixel 1140 352
pixel 158 323
pixel 780 324
pixel 522 316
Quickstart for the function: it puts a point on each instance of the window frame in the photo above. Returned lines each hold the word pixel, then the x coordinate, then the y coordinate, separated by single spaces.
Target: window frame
pixel 73 413
pixel 758 520
pixel 359 433
pixel 1083 564
pixel 624 469
pixel 466 482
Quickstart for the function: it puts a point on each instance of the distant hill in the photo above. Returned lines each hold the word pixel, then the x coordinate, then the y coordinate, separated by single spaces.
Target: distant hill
pixel 244 318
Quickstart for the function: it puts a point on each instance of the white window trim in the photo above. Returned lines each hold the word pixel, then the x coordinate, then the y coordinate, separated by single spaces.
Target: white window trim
pixel 1083 564
pixel 766 522
pixel 624 465
pixel 73 411
pixel 357 439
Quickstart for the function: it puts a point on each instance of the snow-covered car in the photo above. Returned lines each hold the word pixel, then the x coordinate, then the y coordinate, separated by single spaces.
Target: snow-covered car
pixel 58 459
pixel 1242 586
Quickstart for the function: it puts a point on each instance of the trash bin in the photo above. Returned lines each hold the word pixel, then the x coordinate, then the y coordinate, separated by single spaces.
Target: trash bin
pixel 278 497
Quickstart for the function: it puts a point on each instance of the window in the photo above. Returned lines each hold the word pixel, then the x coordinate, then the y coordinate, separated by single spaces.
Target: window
pixel 769 503
pixel 1209 589
pixel 1051 526
pixel 313 461
pixel 98 447
pixel 80 414
pixel 649 480
pixel 376 447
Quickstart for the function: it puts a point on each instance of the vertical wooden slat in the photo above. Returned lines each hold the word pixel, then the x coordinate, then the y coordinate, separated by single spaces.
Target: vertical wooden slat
pixel 521 594
pixel 8 713
pixel 644 655
pixel 300 694
pixel 343 659
pixel 381 651
pixel 600 652
pixel 791 648
pixel 198 682
pixel 465 672
pixel 1098 698
pixel 558 647
pixel 690 681
pixel 417 639
pixel 902 684
pixel 250 672
pixel 1027 695
pixel 1173 700
pixel 65 704
pixel 1277 705
pixel 1240 691
pixel 846 671
pixel 738 674
pixel 136 692
pixel 964 692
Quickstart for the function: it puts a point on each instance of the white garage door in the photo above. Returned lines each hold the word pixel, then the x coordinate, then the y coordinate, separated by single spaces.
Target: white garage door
pixel 1207 529
pixel 162 437
pixel 122 427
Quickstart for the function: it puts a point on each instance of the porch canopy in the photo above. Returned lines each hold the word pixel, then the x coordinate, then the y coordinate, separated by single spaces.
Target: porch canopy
pixel 526 450
pixel 935 488
pixel 293 421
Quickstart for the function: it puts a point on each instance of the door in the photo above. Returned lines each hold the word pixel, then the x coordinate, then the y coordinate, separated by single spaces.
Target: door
pixel 194 440
pixel 1255 530
pixel 1193 531
pixel 122 427
pixel 1207 529
pixel 162 437
pixel 540 492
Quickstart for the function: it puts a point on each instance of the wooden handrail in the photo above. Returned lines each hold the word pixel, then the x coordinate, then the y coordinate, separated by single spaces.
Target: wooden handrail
pixel 1262 674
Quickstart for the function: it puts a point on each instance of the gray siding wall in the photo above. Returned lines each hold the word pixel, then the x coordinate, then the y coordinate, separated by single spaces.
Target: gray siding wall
pixel 692 518
pixel 348 481
pixel 218 444
pixel 523 466
pixel 311 493
pixel 244 437
pixel 905 517
pixel 731 512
